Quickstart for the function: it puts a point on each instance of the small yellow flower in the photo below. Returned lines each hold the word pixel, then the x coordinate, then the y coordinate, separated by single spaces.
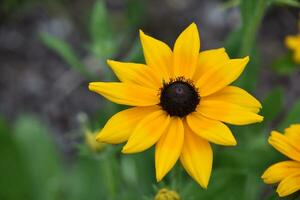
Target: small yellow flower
pixel 90 140
pixel 165 194
pixel 181 99
pixel 293 43
pixel 286 172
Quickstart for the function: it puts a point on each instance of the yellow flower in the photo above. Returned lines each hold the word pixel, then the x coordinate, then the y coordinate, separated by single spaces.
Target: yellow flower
pixel 90 140
pixel 165 194
pixel 286 172
pixel 181 100
pixel 293 43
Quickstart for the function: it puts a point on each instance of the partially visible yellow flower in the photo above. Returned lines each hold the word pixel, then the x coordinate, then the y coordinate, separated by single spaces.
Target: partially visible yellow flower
pixel 293 43
pixel 90 140
pixel 182 100
pixel 165 194
pixel 287 173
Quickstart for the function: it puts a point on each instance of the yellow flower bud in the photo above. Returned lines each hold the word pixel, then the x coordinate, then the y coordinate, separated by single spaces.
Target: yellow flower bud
pixel 90 140
pixel 165 194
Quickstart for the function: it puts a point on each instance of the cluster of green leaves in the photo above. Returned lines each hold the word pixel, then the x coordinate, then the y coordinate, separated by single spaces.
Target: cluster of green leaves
pixel 32 168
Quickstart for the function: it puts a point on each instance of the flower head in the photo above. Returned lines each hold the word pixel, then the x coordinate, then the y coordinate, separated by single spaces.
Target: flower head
pixel 286 173
pixel 293 43
pixel 181 100
pixel 165 194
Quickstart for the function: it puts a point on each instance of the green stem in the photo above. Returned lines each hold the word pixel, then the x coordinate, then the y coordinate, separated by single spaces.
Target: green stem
pixel 250 31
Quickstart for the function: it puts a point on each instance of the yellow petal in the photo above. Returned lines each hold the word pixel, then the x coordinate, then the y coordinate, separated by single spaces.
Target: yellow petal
pixel 168 148
pixel 227 112
pixel 120 126
pixel 157 54
pixel 285 145
pixel 126 93
pixel 208 59
pixel 196 157
pixel 220 76
pixel 292 42
pixel 186 51
pixel 289 185
pixel 293 133
pixel 279 171
pixel 147 132
pixel 139 74
pixel 238 96
pixel 211 130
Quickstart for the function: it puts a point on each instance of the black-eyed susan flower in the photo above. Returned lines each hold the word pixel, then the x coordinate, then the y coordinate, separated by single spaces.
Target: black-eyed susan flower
pixel 293 43
pixel 181 100
pixel 286 173
pixel 165 194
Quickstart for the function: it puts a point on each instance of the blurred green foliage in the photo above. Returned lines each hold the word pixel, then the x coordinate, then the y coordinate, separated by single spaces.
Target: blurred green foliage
pixel 31 165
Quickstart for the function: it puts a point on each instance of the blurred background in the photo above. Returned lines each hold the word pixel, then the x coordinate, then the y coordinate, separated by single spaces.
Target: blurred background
pixel 51 50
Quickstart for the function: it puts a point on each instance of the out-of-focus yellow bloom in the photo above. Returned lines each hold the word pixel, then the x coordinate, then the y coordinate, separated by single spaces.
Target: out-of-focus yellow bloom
pixel 293 43
pixel 90 140
pixel 287 173
pixel 165 194
pixel 182 100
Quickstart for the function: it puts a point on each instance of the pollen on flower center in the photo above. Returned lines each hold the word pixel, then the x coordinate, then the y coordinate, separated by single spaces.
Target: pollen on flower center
pixel 179 97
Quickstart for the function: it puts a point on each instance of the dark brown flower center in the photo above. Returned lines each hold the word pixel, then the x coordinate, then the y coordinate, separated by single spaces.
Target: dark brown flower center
pixel 179 97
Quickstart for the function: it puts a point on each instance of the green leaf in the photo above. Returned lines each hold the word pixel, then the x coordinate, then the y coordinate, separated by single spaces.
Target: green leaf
pixel 284 65
pixel 135 10
pixel 247 9
pixel 99 25
pixel 40 156
pixel 292 116
pixel 232 42
pixel 64 51
pixel 272 104
pixel 85 180
pixel 224 184
pixel 242 41
pixel 15 183
pixel 292 3
pixel 252 14
pixel 249 77
pixel 273 196
pixel 135 53
pixel 103 40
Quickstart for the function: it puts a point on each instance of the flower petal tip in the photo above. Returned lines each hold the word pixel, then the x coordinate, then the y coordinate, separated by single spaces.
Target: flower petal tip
pixel 100 138
pixel 193 24
pixel 204 187
pixel 159 178
pixel 232 143
pixel 126 150
pixel 280 193
pixel 246 59
pixel 109 62
pixel 141 32
pixel 263 177
pixel 92 86
pixel 202 184
pixel 260 118
pixel 192 27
